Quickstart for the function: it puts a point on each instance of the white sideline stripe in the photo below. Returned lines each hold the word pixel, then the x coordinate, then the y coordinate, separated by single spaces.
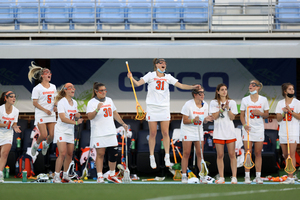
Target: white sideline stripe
pixel 205 195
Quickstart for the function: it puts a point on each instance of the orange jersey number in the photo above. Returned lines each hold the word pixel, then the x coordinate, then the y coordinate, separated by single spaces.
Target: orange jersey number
pixel 253 116
pixel 72 116
pixel 289 117
pixel 107 111
pixel 9 123
pixel 160 85
pixel 49 98
pixel 198 123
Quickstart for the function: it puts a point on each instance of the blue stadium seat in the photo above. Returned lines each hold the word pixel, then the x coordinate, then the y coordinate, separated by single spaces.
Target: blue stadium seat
pixel 6 12
pixel 167 12
pixel 287 11
pixel 112 12
pixel 195 11
pixel 56 12
pixel 139 11
pixel 28 12
pixel 83 12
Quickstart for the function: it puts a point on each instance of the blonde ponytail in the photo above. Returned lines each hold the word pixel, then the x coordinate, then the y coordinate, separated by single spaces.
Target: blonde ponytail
pixel 61 94
pixel 34 72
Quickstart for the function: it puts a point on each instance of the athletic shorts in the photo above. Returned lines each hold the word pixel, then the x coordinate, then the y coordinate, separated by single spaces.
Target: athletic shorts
pixel 192 138
pixel 45 120
pixel 63 137
pixel 104 141
pixel 217 141
pixel 158 113
pixel 6 140
pixel 293 139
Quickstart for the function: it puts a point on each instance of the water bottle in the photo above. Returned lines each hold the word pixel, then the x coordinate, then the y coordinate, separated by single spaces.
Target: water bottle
pixel 18 142
pixel 129 129
pixel 92 164
pixel 24 176
pixel 132 144
pixel 162 144
pixel 210 143
pixel 77 144
pixel 7 171
pixel 277 144
pixel 17 167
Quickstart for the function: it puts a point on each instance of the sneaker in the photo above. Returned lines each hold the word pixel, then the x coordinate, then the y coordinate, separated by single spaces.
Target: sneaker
pixel 45 148
pixel 295 177
pixel 33 150
pixel 152 163
pixel 1 178
pixel 203 180
pixel 167 162
pixel 56 179
pixel 221 180
pixel 100 179
pixel 259 180
pixel 113 179
pixel 247 180
pixel 67 179
pixel 233 180
pixel 184 179
pixel 288 181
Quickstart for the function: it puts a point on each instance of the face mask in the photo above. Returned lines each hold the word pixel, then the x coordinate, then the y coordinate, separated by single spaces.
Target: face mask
pixel 289 95
pixel 101 100
pixel 160 70
pixel 254 92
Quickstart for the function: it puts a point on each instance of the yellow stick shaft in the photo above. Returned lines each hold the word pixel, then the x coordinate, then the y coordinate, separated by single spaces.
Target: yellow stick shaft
pixel 132 83
pixel 287 134
pixel 248 125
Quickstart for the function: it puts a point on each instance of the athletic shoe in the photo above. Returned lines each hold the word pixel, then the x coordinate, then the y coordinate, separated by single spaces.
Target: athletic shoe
pixel 288 181
pixel 259 180
pixel 247 180
pixel 56 179
pixel 113 179
pixel 203 180
pixel 33 150
pixel 45 148
pixel 67 179
pixel 152 163
pixel 295 177
pixel 233 180
pixel 167 161
pixel 100 179
pixel 184 179
pixel 220 180
pixel 1 178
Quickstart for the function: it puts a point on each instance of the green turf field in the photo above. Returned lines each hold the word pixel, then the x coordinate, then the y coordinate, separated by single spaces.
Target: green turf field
pixel 45 191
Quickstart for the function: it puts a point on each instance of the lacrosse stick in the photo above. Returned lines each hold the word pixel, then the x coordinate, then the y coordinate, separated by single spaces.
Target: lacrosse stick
pixel 177 167
pixel 154 179
pixel 85 170
pixel 71 170
pixel 204 171
pixel 289 167
pixel 122 156
pixel 190 173
pixel 248 163
pixel 126 176
pixel 140 115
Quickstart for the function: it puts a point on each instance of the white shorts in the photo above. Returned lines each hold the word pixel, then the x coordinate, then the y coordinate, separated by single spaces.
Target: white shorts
pixel 292 139
pixel 191 137
pixel 158 113
pixel 254 137
pixel 104 141
pixel 6 140
pixel 63 137
pixel 45 119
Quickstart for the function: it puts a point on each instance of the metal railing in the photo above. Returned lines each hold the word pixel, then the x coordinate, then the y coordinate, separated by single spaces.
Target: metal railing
pixel 149 16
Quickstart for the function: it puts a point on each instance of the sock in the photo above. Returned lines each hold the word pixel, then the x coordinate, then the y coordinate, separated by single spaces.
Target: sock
pixel 56 174
pixel 183 175
pixel 1 173
pixel 99 174
pixel 65 174
pixel 46 144
pixel 152 156
pixel 36 145
pixel 167 155
pixel 247 174
pixel 258 174
pixel 112 173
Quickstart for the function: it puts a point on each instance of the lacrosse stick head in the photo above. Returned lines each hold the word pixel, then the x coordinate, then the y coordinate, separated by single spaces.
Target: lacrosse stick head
pixel 289 167
pixel 140 115
pixel 204 170
pixel 248 163
pixel 84 173
pixel 177 175
pixel 126 177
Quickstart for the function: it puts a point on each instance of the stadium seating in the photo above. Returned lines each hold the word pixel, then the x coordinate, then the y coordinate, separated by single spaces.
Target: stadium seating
pixel 195 12
pixel 28 12
pixel 7 8
pixel 84 13
pixel 138 12
pixel 287 12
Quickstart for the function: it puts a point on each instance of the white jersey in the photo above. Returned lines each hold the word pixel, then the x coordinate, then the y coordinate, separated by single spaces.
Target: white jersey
pixel 293 123
pixel 256 123
pixel 9 119
pixel 191 110
pixel 63 106
pixel 45 97
pixel 223 127
pixel 158 88
pixel 103 124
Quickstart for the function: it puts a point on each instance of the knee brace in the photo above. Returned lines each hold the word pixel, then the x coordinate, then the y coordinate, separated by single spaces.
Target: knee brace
pixel 112 153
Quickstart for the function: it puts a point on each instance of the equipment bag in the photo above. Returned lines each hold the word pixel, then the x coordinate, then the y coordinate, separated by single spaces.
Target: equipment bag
pixel 25 163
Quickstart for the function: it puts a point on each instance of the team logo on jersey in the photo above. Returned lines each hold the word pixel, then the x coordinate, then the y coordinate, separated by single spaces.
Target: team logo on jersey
pixel 97 144
pixel 185 137
pixel 60 138
pixel 41 120
pixel 148 117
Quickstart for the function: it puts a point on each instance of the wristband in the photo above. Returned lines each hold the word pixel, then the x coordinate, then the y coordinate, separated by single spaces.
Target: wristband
pixel 76 123
pixel 244 125
pixel 192 121
pixel 97 110
pixel 229 109
pixel 55 105
pixel 221 110
pixel 283 114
